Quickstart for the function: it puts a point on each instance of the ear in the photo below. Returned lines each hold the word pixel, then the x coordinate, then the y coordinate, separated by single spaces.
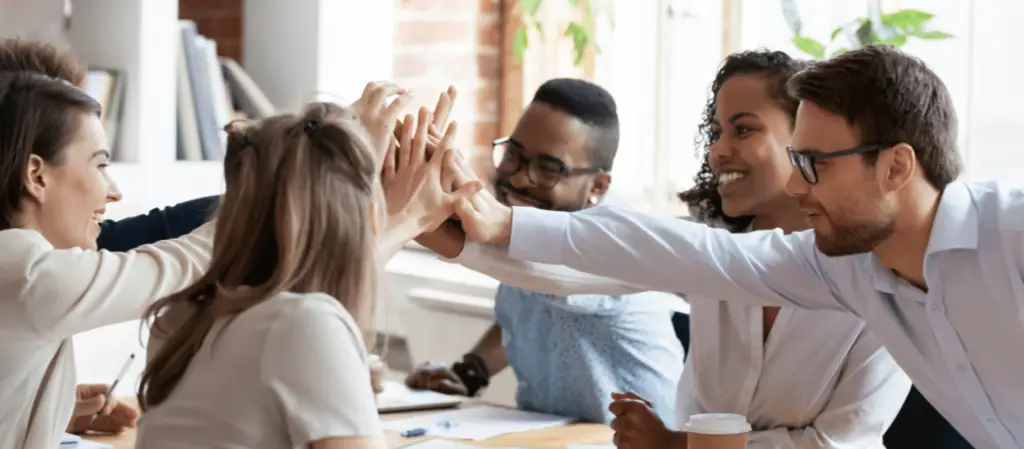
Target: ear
pixel 35 178
pixel 599 186
pixel 896 167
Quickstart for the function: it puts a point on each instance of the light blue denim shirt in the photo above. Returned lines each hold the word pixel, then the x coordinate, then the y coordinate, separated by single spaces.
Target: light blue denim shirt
pixel 962 342
pixel 571 353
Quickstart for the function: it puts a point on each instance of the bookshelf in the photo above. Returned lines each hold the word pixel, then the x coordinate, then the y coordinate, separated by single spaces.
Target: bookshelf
pixel 293 49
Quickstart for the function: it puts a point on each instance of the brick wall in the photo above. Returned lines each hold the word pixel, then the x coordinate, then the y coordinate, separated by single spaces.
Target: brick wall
pixel 220 20
pixel 442 42
pixel 437 43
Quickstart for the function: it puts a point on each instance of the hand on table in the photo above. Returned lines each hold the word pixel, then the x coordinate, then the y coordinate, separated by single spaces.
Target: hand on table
pixel 436 377
pixel 114 416
pixel 637 426
pixel 413 181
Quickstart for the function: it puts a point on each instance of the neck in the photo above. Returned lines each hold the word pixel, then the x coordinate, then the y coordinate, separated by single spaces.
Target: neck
pixel 783 214
pixel 903 252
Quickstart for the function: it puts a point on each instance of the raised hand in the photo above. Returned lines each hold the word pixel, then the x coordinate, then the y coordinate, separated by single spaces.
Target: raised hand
pixel 412 180
pixel 484 219
pixel 637 426
pixel 377 115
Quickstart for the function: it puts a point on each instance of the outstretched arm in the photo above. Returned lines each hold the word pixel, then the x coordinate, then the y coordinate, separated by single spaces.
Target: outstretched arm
pixel 159 224
pixel 665 254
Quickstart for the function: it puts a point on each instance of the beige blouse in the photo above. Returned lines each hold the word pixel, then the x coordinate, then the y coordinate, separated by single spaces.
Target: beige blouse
pixel 49 295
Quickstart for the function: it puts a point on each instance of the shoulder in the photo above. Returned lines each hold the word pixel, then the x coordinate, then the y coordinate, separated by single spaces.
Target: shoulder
pixel 21 246
pixel 305 310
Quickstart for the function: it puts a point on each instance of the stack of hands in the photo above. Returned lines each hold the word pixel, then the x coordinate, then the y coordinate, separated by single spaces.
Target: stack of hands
pixel 426 181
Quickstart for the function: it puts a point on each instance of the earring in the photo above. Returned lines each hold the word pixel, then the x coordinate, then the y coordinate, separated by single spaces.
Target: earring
pixel 594 199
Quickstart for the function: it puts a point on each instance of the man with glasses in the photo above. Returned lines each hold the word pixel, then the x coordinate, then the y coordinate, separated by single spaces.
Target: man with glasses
pixel 932 264
pixel 568 352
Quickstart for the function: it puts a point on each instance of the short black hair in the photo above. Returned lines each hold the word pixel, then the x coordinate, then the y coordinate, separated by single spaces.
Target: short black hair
pixel 892 98
pixel 592 105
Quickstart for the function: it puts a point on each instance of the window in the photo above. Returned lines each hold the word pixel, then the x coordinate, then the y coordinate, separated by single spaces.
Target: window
pixel 660 57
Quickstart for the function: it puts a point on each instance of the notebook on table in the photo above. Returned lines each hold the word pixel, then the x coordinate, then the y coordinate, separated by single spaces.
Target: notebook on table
pixel 396 397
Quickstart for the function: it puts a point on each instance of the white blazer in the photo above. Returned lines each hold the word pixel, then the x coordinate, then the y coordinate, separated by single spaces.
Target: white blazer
pixel 49 295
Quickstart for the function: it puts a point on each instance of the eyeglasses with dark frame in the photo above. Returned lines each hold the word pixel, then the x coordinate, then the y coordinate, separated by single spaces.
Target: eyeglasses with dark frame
pixel 804 161
pixel 543 171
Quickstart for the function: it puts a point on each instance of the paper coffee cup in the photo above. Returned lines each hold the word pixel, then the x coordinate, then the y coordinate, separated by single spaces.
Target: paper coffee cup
pixel 376 373
pixel 717 431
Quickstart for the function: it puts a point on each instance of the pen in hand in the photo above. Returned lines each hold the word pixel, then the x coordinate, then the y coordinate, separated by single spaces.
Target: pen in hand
pixel 110 391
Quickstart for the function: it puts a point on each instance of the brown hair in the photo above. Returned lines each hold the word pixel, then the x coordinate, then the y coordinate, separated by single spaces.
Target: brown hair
pixel 30 56
pixel 39 116
pixel 295 216
pixel 891 97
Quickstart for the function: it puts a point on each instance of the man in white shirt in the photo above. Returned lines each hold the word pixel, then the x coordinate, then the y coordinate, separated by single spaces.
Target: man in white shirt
pixel 933 265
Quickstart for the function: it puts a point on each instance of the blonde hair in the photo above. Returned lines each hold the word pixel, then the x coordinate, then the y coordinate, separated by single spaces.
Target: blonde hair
pixel 296 216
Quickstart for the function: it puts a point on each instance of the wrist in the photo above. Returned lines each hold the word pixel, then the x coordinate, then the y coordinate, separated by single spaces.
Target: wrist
pixel 473 372
pixel 504 236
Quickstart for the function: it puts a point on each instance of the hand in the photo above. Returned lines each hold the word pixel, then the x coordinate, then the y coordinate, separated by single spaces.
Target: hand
pixel 637 426
pixel 114 417
pixel 436 377
pixel 377 116
pixel 484 219
pixel 413 184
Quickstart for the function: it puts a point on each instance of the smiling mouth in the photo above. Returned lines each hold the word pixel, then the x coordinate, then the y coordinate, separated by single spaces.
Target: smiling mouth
pixel 97 216
pixel 729 177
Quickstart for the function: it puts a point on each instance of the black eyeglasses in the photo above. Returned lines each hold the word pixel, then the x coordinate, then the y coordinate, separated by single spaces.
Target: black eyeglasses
pixel 542 170
pixel 805 161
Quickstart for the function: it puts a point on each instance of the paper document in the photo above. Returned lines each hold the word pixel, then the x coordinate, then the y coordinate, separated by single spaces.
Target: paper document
pixel 70 441
pixel 444 444
pixel 477 423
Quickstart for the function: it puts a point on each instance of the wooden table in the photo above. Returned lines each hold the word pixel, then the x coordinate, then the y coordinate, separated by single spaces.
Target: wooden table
pixel 550 438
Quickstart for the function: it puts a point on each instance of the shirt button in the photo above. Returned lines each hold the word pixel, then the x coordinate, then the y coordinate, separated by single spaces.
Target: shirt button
pixel 936 307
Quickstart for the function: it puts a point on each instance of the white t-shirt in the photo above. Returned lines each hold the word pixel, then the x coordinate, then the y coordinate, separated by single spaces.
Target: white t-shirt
pixel 284 373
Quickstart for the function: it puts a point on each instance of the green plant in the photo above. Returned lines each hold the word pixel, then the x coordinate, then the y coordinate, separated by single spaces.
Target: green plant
pixel 579 31
pixel 878 28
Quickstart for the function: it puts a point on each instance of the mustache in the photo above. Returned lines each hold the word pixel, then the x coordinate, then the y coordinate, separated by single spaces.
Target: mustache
pixel 506 187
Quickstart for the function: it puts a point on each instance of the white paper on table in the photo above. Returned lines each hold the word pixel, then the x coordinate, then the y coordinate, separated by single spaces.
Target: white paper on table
pixel 71 441
pixel 477 423
pixel 444 444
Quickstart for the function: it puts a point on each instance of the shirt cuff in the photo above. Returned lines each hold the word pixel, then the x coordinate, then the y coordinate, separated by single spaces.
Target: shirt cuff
pixel 538 235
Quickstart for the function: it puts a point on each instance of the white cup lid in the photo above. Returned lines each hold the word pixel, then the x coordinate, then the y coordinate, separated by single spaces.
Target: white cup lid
pixel 717 424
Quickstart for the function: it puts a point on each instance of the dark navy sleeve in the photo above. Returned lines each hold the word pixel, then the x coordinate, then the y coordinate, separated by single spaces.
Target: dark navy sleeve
pixel 158 224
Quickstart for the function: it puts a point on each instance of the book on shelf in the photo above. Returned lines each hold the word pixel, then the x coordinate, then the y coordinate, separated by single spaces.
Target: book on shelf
pixel 107 86
pixel 212 92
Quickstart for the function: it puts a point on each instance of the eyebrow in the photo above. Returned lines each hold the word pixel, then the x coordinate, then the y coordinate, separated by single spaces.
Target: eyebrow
pixel 740 115
pixel 808 151
pixel 104 153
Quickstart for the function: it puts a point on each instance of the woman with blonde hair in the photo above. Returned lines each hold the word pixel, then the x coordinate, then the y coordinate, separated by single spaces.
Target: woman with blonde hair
pixel 269 347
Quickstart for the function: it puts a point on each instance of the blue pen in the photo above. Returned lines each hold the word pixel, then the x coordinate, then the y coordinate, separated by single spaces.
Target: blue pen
pixel 413 433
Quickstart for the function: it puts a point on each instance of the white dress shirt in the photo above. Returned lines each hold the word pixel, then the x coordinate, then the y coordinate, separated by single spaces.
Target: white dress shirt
pixel 819 381
pixel 286 372
pixel 48 295
pixel 960 342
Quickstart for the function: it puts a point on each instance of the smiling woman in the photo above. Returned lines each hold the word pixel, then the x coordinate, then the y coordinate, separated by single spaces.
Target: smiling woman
pixel 60 188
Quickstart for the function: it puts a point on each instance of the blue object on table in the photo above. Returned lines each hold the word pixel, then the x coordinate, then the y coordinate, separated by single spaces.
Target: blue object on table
pixel 413 433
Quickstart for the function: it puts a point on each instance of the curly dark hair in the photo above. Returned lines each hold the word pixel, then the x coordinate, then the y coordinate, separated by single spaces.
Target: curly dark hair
pixel 777 67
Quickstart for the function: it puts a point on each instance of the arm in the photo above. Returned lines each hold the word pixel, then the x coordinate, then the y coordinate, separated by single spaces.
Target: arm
pixel 64 292
pixel 315 367
pixel 158 224
pixel 665 254
pixel 491 350
pixel 870 392
pixel 450 242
